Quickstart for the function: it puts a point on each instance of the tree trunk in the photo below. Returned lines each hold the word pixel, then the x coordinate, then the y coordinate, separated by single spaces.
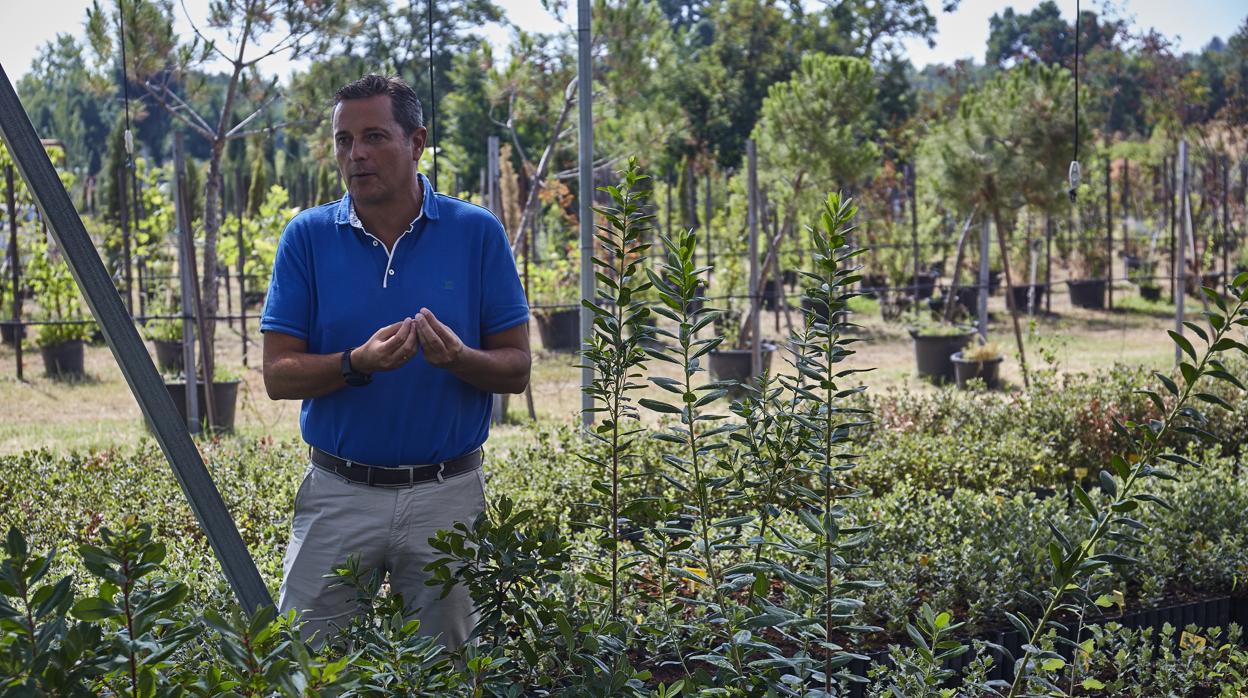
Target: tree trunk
pixel 212 225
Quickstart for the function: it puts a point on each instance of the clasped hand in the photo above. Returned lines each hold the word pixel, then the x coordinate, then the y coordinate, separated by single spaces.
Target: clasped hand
pixel 394 345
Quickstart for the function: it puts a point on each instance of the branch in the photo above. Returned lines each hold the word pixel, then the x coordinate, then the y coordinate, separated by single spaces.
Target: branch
pixel 271 129
pixel 252 116
pixel 198 124
pixel 535 182
pixel 211 44
pixel 279 47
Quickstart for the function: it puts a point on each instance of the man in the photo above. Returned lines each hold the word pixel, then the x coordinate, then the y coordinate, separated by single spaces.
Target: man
pixel 393 314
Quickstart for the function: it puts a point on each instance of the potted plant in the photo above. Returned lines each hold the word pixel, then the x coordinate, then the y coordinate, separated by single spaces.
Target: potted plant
pixel 60 306
pixel 166 337
pixel 1141 274
pixel 733 359
pixel 982 361
pixel 736 362
pixel 224 398
pixel 9 331
pixel 1088 289
pixel 934 344
pixel 555 291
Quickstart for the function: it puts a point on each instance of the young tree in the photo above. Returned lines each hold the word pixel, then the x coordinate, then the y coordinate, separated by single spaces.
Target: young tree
pixel 170 71
pixel 815 131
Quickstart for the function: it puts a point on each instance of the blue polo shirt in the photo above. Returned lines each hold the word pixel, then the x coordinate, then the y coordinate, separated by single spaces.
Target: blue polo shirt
pixel 334 285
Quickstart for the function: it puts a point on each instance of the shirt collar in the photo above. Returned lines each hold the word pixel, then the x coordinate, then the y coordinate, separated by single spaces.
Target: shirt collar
pixel 345 213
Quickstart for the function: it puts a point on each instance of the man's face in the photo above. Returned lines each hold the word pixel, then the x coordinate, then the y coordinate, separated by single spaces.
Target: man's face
pixel 376 159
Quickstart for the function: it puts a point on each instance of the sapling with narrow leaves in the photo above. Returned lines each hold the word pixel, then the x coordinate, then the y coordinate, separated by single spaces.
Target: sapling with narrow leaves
pixel 829 424
pixel 1146 457
pixel 697 435
pixel 614 354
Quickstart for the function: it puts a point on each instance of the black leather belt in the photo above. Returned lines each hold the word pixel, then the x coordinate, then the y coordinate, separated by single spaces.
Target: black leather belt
pixel 395 476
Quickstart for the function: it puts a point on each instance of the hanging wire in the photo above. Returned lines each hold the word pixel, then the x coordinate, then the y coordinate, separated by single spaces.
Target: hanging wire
pixel 433 102
pixel 125 86
pixel 1073 174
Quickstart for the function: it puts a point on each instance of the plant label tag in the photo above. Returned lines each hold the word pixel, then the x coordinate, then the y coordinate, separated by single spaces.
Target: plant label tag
pixel 1191 641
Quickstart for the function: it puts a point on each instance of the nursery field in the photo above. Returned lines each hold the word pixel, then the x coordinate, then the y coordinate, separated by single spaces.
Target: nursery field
pixel 98 411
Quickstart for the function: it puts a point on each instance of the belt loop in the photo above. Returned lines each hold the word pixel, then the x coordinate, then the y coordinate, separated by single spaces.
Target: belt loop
pixel 441 467
pixel 371 472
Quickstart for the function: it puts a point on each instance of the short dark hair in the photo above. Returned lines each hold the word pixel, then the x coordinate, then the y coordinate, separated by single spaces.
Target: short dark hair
pixel 403 100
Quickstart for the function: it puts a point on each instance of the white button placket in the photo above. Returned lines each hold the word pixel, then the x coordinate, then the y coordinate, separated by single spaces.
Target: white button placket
pixel 385 277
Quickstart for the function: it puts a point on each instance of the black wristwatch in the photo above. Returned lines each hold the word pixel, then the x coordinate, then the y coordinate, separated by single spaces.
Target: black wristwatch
pixel 354 378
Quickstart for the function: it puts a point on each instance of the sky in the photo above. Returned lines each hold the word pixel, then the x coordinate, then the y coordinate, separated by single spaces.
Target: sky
pixel 26 25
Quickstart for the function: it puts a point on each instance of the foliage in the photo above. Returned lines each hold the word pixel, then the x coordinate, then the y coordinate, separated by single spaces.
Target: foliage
pixel 56 292
pixel 260 233
pixel 814 131
pixel 1146 457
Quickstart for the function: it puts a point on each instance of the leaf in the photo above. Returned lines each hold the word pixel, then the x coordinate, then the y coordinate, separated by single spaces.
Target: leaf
pixel 658 406
pixel 1054 664
pixel 1082 497
pixel 1108 484
pixel 1184 343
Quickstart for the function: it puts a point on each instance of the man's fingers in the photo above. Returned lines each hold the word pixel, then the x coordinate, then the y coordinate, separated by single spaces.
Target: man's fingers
pixel 429 339
pixel 447 334
pixel 408 350
pixel 388 331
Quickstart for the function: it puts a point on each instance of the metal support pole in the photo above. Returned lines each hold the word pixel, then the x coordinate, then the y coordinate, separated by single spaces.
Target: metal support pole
pixel 1180 293
pixel 1226 220
pixel 914 233
pixel 1048 262
pixel 1126 206
pixel 710 258
pixel 756 359
pixel 14 268
pixel 1172 176
pixel 982 314
pixel 123 209
pixel 494 202
pixel 1109 238
pixel 585 195
pixel 136 365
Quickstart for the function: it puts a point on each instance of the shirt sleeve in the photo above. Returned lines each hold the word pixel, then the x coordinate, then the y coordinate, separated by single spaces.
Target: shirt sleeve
pixel 503 304
pixel 287 309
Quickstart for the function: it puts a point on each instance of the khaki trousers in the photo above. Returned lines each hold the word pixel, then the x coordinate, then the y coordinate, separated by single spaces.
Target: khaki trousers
pixel 388 529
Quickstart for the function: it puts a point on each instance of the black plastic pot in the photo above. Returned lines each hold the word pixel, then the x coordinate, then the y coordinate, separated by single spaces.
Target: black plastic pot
pixel 1020 295
pixel 923 287
pixel 224 398
pixel 254 298
pixel 168 355
pixel 560 329
pixel 1087 293
pixel 1150 293
pixel 994 282
pixel 63 360
pixel 734 364
pixel 10 332
pixel 932 354
pixel 770 295
pixel 789 277
pixel 989 371
pixel 873 284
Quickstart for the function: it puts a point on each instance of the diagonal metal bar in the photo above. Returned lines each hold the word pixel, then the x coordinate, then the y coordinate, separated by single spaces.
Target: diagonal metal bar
pixel 148 388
